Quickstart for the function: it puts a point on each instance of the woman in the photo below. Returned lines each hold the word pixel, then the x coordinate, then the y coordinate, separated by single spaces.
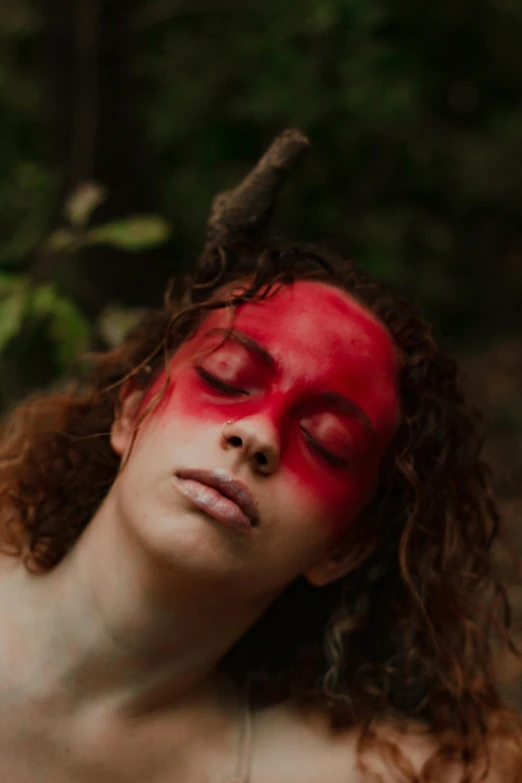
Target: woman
pixel 254 546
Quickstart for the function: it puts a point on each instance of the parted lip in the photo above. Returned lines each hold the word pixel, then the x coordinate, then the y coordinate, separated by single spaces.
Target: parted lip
pixel 229 487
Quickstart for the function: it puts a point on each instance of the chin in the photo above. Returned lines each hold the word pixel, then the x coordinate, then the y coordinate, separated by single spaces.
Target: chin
pixel 186 541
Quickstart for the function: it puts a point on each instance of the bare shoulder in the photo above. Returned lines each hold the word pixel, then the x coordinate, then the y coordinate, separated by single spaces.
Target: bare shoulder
pixel 297 745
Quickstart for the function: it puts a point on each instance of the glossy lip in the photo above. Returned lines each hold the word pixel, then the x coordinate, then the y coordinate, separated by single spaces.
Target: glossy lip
pixel 230 488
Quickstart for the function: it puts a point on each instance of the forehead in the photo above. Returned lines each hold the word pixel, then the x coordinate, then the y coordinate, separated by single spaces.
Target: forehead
pixel 313 318
pixel 320 339
pixel 315 332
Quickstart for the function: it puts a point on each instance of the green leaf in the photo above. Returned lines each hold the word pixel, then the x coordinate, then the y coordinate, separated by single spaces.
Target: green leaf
pixel 67 326
pixel 69 329
pixel 12 312
pixel 114 322
pixel 62 239
pixel 43 300
pixel 134 233
pixel 83 201
pixel 10 284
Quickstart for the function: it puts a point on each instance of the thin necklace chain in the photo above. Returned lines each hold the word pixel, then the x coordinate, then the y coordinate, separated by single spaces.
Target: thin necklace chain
pixel 245 745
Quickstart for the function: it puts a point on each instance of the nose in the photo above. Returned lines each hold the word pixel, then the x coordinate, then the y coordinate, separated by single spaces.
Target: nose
pixel 256 440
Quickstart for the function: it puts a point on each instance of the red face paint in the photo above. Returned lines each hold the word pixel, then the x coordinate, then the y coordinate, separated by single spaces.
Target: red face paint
pixel 313 370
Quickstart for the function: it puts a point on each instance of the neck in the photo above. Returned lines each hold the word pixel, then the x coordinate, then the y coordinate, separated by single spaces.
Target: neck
pixel 111 624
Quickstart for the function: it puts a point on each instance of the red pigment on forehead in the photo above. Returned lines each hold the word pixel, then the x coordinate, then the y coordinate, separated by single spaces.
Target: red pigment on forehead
pixel 321 341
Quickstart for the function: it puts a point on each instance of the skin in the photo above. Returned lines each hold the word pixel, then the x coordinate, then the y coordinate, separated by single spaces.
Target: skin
pixel 326 407
pixel 132 624
pixel 309 460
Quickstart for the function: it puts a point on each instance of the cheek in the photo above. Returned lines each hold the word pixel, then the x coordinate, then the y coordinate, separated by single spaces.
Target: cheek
pixel 335 497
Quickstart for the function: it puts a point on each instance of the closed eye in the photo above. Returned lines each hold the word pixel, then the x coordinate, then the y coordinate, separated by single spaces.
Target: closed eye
pixel 330 457
pixel 219 385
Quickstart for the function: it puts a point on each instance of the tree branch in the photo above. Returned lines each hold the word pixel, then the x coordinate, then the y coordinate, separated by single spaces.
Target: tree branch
pixel 246 210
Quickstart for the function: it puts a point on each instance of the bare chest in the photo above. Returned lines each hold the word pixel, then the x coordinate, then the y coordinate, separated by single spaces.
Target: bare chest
pixel 39 753
pixel 32 764
pixel 279 752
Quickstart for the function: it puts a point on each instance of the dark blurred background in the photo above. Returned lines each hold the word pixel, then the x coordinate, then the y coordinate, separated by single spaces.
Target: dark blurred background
pixel 120 120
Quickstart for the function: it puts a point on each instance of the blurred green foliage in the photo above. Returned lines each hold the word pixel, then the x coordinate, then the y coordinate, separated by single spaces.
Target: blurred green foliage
pixel 414 111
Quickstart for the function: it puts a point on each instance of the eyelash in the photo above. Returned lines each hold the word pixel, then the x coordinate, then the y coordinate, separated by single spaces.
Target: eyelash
pixel 218 385
pixel 332 459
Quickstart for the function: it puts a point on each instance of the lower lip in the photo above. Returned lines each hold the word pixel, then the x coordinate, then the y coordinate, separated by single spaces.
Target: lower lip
pixel 216 505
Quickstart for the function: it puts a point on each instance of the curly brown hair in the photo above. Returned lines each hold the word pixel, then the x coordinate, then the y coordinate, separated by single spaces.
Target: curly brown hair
pixel 410 630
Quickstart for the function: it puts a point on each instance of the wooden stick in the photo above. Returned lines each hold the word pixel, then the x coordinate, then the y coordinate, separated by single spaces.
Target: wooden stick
pixel 245 211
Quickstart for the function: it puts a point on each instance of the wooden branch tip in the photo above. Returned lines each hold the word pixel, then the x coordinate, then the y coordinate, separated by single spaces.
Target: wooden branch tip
pixel 246 210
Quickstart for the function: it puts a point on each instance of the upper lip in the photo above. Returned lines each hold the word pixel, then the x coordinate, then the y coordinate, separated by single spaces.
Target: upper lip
pixel 229 487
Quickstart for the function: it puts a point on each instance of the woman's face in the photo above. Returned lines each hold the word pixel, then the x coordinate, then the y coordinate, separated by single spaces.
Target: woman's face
pixel 298 404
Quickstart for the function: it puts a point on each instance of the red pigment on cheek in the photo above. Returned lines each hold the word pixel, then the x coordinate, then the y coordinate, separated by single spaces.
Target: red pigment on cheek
pixel 336 494
pixel 157 395
pixel 348 353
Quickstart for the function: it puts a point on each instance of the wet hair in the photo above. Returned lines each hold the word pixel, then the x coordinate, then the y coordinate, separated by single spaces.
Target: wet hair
pixel 410 631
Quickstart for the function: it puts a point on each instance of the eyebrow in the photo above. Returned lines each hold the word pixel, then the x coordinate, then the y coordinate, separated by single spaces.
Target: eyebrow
pixel 248 342
pixel 342 403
